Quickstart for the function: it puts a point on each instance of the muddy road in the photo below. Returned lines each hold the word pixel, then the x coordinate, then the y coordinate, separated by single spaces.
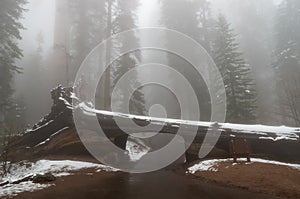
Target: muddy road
pixel 164 184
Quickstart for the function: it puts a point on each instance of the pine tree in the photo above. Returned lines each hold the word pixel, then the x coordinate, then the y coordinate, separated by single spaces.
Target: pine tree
pixel 91 22
pixel 86 30
pixel 287 60
pixel 10 14
pixel 240 88
pixel 257 46
pixel 123 17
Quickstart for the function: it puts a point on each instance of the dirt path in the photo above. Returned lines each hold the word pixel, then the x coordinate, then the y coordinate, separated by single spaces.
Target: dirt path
pixel 118 185
pixel 272 179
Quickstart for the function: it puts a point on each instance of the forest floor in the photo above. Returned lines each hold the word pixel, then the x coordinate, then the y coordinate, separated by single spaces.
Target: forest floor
pixel 82 184
pixel 271 179
pixel 230 181
pixel 118 185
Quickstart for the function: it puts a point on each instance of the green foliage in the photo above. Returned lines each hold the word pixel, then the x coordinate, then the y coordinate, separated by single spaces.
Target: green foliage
pixel 10 26
pixel 240 87
pixel 287 59
pixel 124 18
pixel 92 22
pixel 86 29
pixel 121 16
pixel 287 29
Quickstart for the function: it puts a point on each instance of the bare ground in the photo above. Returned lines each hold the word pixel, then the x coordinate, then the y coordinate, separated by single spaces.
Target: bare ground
pixel 160 185
pixel 270 179
pixel 261 181
pixel 83 184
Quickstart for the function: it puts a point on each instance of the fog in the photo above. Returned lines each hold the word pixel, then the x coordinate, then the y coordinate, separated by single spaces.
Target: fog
pixel 252 22
pixel 148 93
pixel 38 18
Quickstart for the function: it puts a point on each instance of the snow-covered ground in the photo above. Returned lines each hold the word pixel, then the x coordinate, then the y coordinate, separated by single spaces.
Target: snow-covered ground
pixel 136 149
pixel 277 132
pixel 57 168
pixel 212 165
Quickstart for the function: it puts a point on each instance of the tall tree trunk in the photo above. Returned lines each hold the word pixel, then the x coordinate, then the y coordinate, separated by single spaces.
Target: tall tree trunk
pixel 107 100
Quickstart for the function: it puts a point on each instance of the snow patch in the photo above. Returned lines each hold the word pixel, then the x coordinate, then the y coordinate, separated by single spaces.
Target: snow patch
pixel 278 138
pixel 207 165
pixel 39 127
pixel 295 166
pixel 68 105
pixel 212 165
pixel 57 168
pixel 14 189
pixel 136 149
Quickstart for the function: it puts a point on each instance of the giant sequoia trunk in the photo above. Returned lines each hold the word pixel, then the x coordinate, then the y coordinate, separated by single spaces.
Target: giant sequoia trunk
pixel 55 133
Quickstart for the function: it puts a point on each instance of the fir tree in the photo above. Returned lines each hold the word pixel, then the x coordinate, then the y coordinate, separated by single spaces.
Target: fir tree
pixel 287 60
pixel 86 27
pixel 93 21
pixel 240 88
pixel 257 48
pixel 123 17
pixel 10 14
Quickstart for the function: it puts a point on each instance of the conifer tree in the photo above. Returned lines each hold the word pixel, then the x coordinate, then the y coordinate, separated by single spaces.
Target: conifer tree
pixel 287 60
pixel 92 22
pixel 239 85
pixel 123 17
pixel 10 26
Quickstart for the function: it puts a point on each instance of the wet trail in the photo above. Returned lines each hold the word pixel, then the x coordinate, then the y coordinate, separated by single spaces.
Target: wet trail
pixel 167 184
pixel 164 184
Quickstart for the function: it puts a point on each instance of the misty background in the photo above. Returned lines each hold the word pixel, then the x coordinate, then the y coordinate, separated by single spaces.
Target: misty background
pixel 56 32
